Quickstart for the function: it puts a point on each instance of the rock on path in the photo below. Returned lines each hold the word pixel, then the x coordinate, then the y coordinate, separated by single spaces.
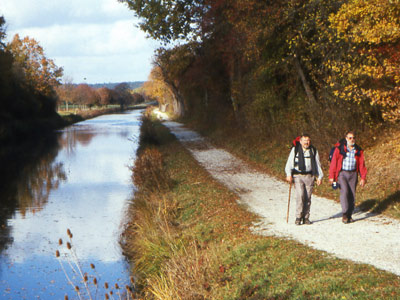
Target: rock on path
pixel 372 239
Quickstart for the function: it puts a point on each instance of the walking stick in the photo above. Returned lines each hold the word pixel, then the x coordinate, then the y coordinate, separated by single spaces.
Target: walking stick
pixel 288 205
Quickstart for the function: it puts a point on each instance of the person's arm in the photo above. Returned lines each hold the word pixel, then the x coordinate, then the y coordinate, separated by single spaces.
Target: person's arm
pixel 333 165
pixel 362 169
pixel 289 166
pixel 320 172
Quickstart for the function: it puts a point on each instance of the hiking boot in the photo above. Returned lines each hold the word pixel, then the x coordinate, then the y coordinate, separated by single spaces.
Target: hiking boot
pixel 345 220
pixel 350 220
pixel 298 221
pixel 306 221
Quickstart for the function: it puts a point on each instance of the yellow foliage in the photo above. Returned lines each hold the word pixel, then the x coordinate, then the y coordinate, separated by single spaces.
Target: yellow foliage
pixel 371 69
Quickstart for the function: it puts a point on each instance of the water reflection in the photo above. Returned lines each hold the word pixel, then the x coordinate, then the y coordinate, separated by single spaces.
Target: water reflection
pixel 27 177
pixel 82 183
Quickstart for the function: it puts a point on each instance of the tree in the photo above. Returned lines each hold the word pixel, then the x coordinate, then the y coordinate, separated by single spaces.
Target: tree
pixel 172 65
pixel 38 72
pixel 123 95
pixel 105 95
pixel 137 98
pixel 370 68
pixel 6 61
pixel 168 20
pixel 65 92
pixel 155 88
pixel 83 94
pixel 2 33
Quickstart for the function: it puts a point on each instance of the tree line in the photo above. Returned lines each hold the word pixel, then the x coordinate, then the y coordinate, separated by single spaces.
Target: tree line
pixel 261 64
pixel 83 95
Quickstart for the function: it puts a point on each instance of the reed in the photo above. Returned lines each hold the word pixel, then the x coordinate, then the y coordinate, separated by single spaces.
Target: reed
pixel 84 284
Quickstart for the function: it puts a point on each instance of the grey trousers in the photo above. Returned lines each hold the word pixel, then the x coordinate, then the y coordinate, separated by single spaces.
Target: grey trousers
pixel 304 185
pixel 348 183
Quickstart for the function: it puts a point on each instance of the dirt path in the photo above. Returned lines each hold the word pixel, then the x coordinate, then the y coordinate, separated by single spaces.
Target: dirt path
pixel 372 239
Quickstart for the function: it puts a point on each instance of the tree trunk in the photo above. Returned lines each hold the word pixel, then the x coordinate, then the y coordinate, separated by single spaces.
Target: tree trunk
pixel 306 86
pixel 232 75
pixel 178 105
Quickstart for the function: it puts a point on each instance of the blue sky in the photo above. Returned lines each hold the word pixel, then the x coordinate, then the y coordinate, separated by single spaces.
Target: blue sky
pixel 95 41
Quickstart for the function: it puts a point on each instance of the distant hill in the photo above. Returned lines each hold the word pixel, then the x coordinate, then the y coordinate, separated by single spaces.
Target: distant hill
pixel 133 85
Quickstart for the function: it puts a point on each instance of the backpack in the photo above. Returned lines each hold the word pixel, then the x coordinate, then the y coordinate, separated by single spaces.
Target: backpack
pixel 295 143
pixel 331 153
pixel 342 141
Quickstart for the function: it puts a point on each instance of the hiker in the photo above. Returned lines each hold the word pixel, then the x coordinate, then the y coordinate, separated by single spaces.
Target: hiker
pixel 347 162
pixel 302 167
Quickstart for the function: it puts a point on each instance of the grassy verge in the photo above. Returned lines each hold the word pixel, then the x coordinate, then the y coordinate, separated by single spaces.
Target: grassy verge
pixel 80 115
pixel 189 239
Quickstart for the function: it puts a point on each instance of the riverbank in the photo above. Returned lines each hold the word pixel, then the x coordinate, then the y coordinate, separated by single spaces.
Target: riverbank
pixel 12 131
pixel 190 239
pixel 70 118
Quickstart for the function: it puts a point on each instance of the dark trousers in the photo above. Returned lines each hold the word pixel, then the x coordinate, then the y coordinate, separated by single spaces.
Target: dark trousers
pixel 348 183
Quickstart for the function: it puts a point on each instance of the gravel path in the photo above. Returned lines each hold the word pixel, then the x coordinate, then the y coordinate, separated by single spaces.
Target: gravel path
pixel 372 239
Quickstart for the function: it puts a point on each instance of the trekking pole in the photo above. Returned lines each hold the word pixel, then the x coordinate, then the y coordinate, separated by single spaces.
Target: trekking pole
pixel 288 205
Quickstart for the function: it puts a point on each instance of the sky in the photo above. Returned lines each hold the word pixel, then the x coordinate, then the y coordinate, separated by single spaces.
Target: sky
pixel 95 41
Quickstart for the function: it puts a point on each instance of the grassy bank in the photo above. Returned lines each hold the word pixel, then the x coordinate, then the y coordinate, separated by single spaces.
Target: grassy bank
pixel 80 115
pixel 189 239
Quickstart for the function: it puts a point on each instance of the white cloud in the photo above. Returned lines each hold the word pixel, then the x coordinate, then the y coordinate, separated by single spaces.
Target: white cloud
pixel 93 39
pixel 120 37
pixel 43 13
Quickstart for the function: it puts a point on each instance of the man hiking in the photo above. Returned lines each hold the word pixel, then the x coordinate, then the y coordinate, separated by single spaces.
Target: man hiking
pixel 347 162
pixel 302 167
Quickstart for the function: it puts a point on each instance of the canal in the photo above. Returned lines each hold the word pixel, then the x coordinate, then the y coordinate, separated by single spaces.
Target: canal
pixel 78 180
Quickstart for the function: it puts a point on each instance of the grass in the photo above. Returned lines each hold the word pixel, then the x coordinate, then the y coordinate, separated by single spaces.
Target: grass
pixel 192 240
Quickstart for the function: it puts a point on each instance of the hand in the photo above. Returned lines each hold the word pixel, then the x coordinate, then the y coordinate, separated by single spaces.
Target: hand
pixel 363 182
pixel 289 179
pixel 319 181
pixel 330 180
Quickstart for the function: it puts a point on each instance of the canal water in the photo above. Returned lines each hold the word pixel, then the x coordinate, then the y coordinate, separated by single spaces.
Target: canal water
pixel 79 180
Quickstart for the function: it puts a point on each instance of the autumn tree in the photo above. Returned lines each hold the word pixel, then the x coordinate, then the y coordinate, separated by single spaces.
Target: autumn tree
pixel 27 100
pixel 155 88
pixel 65 92
pixel 105 95
pixel 369 70
pixel 83 94
pixel 137 98
pixel 38 71
pixel 172 65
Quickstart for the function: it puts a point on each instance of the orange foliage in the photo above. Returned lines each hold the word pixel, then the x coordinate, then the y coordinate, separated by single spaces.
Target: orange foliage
pixel 39 72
